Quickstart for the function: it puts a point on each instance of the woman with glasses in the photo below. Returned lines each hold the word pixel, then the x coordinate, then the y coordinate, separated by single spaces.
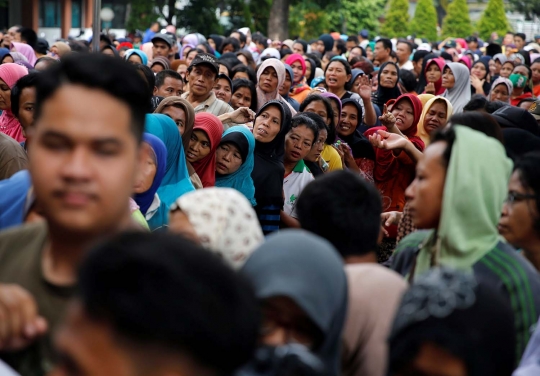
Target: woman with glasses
pixel 520 219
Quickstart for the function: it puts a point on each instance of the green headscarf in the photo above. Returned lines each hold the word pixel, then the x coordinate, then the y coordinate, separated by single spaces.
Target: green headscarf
pixel 474 191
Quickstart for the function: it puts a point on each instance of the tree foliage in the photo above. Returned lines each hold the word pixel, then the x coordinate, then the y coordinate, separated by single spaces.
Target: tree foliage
pixel 141 16
pixel 457 22
pixel 397 19
pixel 424 22
pixel 493 20
pixel 528 7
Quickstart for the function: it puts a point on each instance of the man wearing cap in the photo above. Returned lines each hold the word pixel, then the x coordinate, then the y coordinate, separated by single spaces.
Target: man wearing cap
pixel 201 76
pixel 363 38
pixel 42 47
pixel 161 45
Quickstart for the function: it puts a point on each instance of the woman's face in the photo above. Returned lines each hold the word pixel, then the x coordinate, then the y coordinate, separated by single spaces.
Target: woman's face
pixel 389 76
pixel 285 322
pixel 500 93
pixel 355 52
pixel 404 113
pixel 318 107
pixel 178 115
pixel 241 98
pixel 147 172
pixel 492 68
pixel 8 59
pixel 309 69
pixel 156 68
pixel 369 53
pixel 426 191
pixel 535 67
pixel 182 70
pixel 521 70
pixel 212 43
pixel 298 143
pixel 349 120
pixel 134 59
pixel 5 96
pixel 336 76
pixel 506 70
pixel 243 59
pixel 479 70
pixel 199 146
pixel 297 71
pixel 190 56
pixel 519 216
pixel 267 124
pixel 238 75
pixel 223 90
pixel 432 359
pixel 228 48
pixel 317 149
pixel 228 159
pixel 433 72
pixel 268 81
pixel 448 79
pixel 435 117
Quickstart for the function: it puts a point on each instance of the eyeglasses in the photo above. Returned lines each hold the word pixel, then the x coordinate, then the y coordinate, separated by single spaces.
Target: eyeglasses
pixel 517 197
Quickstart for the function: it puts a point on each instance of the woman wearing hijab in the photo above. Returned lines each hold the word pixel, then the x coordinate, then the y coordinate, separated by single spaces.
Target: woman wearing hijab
pixel 435 114
pixel 151 175
pixel 470 330
pixel 433 76
pixel 159 64
pixel 374 296
pixel 387 87
pixel 270 77
pixel 136 57
pixel 3 52
pixel 311 66
pixel 176 180
pixel 520 78
pixel 25 50
pixel 299 89
pixel 14 57
pixel 219 219
pixel 422 82
pixel 480 80
pixel 201 153
pixel 272 123
pixel 235 161
pixel 457 82
pixel 61 49
pixel 9 75
pixel 501 90
pixel 287 273
pixel 463 227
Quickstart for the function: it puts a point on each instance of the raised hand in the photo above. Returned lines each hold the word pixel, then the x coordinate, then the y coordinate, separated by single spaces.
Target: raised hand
pixel 242 115
pixel 430 88
pixel 477 83
pixel 364 87
pixel 388 141
pixel 387 119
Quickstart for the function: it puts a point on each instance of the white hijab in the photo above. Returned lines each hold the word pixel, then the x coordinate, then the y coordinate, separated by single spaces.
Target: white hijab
pixel 460 94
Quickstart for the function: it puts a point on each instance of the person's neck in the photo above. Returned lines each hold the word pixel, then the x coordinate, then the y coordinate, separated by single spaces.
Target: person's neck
pixel 289 166
pixel 532 254
pixel 64 251
pixel 339 92
pixel 196 100
pixel 402 63
pixel 369 257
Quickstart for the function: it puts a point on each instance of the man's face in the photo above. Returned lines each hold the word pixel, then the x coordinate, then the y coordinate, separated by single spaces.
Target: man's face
pixel 84 161
pixel 519 42
pixel 473 46
pixel 90 348
pixel 350 44
pixel 171 87
pixel 381 54
pixel 402 52
pixel 161 48
pixel 27 103
pixel 201 80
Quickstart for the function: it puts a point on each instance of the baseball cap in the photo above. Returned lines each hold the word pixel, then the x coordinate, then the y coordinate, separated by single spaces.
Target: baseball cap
pixel 535 110
pixel 207 59
pixel 162 37
pixel 364 33
pixel 450 44
pixel 42 46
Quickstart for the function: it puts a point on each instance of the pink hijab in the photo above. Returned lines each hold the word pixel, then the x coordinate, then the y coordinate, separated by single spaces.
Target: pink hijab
pixel 10 73
pixel 263 97
pixel 26 51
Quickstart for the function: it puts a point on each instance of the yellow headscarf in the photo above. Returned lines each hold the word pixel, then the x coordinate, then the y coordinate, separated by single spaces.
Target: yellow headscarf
pixel 421 132
pixel 424 98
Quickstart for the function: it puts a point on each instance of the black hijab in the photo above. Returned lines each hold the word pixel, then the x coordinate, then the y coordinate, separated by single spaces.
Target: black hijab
pixel 359 144
pixel 422 82
pixel 487 85
pixel 384 94
pixel 269 171
pixel 313 68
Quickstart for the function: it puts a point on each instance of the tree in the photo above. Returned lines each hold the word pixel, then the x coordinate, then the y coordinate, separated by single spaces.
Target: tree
pixel 493 20
pixel 141 15
pixel 356 15
pixel 528 7
pixel 424 22
pixel 457 22
pixel 397 20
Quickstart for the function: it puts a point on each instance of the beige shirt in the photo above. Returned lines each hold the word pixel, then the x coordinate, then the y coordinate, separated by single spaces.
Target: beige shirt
pixel 212 105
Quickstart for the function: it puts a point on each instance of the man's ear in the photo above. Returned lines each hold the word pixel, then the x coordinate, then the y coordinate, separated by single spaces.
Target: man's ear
pixel 155 90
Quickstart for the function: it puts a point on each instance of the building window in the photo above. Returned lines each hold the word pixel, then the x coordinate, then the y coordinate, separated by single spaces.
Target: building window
pixel 120 13
pixel 76 13
pixel 49 13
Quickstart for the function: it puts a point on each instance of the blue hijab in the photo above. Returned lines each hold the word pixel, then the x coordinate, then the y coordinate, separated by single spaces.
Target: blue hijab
pixel 176 180
pixel 145 199
pixel 240 179
pixel 3 52
pixel 13 199
pixel 140 53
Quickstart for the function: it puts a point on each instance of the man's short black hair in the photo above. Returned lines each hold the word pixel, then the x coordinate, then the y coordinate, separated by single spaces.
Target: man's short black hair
pixel 149 76
pixel 165 292
pixel 521 35
pixel 408 79
pixel 97 71
pixel 232 41
pixel 344 209
pixel 161 76
pixel 261 39
pixel 404 41
pixel 477 103
pixel 29 36
pixel 387 43
pixel 242 36
pixel 49 61
pixel 419 54
pixel 30 80
pixel 353 38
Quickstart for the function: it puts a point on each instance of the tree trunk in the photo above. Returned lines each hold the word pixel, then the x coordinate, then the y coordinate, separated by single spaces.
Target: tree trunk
pixel 278 23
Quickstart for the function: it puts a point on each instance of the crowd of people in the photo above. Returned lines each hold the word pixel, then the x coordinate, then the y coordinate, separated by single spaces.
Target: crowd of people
pixel 239 206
